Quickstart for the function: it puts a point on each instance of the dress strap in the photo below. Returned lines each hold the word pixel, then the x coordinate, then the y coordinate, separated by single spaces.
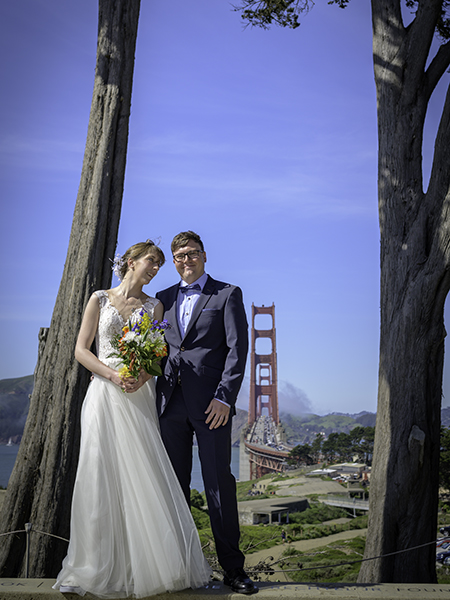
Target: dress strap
pixel 150 303
pixel 102 296
pixel 149 306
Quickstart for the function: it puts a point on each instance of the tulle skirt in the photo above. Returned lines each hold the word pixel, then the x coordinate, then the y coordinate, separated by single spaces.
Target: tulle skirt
pixel 132 533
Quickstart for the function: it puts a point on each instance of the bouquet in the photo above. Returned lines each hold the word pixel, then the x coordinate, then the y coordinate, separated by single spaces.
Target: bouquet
pixel 140 346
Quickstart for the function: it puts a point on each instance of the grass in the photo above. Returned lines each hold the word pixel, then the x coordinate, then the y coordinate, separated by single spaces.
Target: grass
pixel 261 537
pixel 443 574
pixel 253 538
pixel 334 554
pixel 305 525
pixel 317 513
pixel 244 487
pixel 201 518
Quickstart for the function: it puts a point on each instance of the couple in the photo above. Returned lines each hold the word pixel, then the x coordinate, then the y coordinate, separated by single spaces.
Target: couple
pixel 132 533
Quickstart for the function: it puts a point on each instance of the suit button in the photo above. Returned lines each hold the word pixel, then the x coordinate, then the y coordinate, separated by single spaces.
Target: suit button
pixel 182 348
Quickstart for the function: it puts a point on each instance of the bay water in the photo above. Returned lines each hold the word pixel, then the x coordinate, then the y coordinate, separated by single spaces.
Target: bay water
pixel 8 456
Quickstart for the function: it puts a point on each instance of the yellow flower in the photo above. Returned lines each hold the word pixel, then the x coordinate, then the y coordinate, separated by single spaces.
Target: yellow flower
pixel 124 372
pixel 145 322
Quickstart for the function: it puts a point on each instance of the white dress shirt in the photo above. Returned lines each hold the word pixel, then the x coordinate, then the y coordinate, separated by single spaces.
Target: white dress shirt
pixel 186 302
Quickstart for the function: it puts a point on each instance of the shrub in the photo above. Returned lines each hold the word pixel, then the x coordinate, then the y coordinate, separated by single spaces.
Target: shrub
pixel 197 499
pixel 201 518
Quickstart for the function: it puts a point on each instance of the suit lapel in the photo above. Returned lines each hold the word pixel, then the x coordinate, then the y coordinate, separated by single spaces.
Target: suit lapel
pixel 171 314
pixel 208 289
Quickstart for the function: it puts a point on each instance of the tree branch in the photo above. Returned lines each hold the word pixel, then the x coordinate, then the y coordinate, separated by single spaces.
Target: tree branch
pixel 262 13
pixel 420 35
pixel 437 68
pixel 439 186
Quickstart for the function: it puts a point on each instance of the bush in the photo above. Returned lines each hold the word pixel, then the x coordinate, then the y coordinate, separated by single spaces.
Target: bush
pixel 339 552
pixel 197 499
pixel 318 514
pixel 201 518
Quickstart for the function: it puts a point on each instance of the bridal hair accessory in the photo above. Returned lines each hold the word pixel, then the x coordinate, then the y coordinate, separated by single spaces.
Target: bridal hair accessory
pixel 117 265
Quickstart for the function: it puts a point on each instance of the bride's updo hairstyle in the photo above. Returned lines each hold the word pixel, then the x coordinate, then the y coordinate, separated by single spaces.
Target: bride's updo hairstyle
pixel 136 252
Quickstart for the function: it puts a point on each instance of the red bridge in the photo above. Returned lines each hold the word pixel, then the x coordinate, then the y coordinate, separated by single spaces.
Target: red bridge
pixel 264 449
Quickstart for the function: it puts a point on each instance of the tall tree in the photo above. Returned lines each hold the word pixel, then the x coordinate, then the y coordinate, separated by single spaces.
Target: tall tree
pixel 40 487
pixel 415 278
pixel 300 455
pixel 330 447
pixel 362 443
pixel 316 447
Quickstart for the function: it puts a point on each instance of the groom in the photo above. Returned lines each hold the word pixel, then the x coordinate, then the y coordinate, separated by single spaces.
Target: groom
pixel 197 392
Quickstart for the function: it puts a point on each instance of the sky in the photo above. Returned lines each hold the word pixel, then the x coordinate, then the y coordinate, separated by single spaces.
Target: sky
pixel 263 142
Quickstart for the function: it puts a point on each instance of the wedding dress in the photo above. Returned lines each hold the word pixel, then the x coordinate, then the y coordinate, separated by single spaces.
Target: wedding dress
pixel 132 533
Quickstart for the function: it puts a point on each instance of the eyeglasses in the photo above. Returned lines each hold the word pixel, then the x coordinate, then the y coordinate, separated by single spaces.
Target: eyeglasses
pixel 192 255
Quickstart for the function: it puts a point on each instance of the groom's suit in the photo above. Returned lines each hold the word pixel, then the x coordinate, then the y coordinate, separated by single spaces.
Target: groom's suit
pixel 207 362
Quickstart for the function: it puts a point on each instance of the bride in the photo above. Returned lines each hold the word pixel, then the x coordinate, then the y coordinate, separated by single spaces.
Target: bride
pixel 132 533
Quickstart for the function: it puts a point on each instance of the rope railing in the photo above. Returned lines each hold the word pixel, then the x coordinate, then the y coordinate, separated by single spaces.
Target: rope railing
pixel 261 567
pixel 268 570
pixel 28 530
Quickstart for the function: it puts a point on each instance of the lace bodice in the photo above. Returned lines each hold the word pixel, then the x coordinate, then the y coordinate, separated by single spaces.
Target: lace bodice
pixel 111 322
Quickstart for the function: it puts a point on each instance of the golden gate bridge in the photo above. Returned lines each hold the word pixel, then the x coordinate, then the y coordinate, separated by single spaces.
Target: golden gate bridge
pixel 263 443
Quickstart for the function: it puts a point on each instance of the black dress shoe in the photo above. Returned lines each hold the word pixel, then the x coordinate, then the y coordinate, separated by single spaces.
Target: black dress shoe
pixel 239 581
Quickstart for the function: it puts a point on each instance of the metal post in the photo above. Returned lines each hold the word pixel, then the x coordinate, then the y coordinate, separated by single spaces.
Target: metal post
pixel 28 528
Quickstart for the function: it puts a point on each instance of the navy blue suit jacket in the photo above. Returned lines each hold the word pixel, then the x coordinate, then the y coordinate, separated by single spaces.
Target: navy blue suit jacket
pixel 210 358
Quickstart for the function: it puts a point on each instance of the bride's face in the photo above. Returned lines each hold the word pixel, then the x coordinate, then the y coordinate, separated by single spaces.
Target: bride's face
pixel 146 268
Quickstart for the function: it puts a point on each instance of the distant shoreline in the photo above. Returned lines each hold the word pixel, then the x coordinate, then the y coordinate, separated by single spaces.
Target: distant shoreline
pixel 8 456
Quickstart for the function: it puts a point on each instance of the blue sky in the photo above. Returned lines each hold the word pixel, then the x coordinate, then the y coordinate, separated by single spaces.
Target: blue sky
pixel 264 142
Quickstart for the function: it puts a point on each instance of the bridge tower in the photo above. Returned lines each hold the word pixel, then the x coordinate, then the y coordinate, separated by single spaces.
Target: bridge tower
pixel 263 370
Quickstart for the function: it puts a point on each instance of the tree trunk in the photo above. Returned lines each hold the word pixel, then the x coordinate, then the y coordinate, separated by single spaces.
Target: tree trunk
pixel 415 279
pixel 40 488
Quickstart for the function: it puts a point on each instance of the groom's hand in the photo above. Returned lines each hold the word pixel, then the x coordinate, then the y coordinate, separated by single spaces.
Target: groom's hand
pixel 218 414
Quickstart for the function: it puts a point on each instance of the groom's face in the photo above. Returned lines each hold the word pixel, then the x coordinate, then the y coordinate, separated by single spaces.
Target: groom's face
pixel 190 268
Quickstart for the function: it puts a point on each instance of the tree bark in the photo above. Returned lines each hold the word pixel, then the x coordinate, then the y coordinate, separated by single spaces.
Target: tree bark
pixel 40 488
pixel 415 280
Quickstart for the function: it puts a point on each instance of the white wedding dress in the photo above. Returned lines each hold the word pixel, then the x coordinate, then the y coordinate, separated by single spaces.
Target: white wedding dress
pixel 132 533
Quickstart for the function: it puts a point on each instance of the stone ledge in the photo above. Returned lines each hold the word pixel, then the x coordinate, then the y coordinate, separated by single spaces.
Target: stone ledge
pixel 41 589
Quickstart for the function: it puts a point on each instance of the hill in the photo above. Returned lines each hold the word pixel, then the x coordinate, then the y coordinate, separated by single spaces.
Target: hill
pixel 14 403
pixel 303 429
pixel 240 421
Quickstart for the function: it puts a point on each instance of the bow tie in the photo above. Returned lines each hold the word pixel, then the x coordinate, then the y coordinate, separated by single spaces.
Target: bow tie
pixel 187 288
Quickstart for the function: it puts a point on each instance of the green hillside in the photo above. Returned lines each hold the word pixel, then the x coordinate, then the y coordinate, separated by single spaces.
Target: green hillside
pixel 303 429
pixel 17 385
pixel 14 403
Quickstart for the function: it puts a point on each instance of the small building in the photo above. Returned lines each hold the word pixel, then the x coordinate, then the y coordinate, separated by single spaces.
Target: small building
pixel 332 472
pixel 349 468
pixel 268 510
pixel 357 487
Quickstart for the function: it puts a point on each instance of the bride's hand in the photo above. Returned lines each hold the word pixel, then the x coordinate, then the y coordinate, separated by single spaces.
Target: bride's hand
pixel 117 379
pixel 132 385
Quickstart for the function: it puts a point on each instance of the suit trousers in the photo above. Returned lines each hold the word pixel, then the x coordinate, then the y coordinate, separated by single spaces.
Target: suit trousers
pixel 214 447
